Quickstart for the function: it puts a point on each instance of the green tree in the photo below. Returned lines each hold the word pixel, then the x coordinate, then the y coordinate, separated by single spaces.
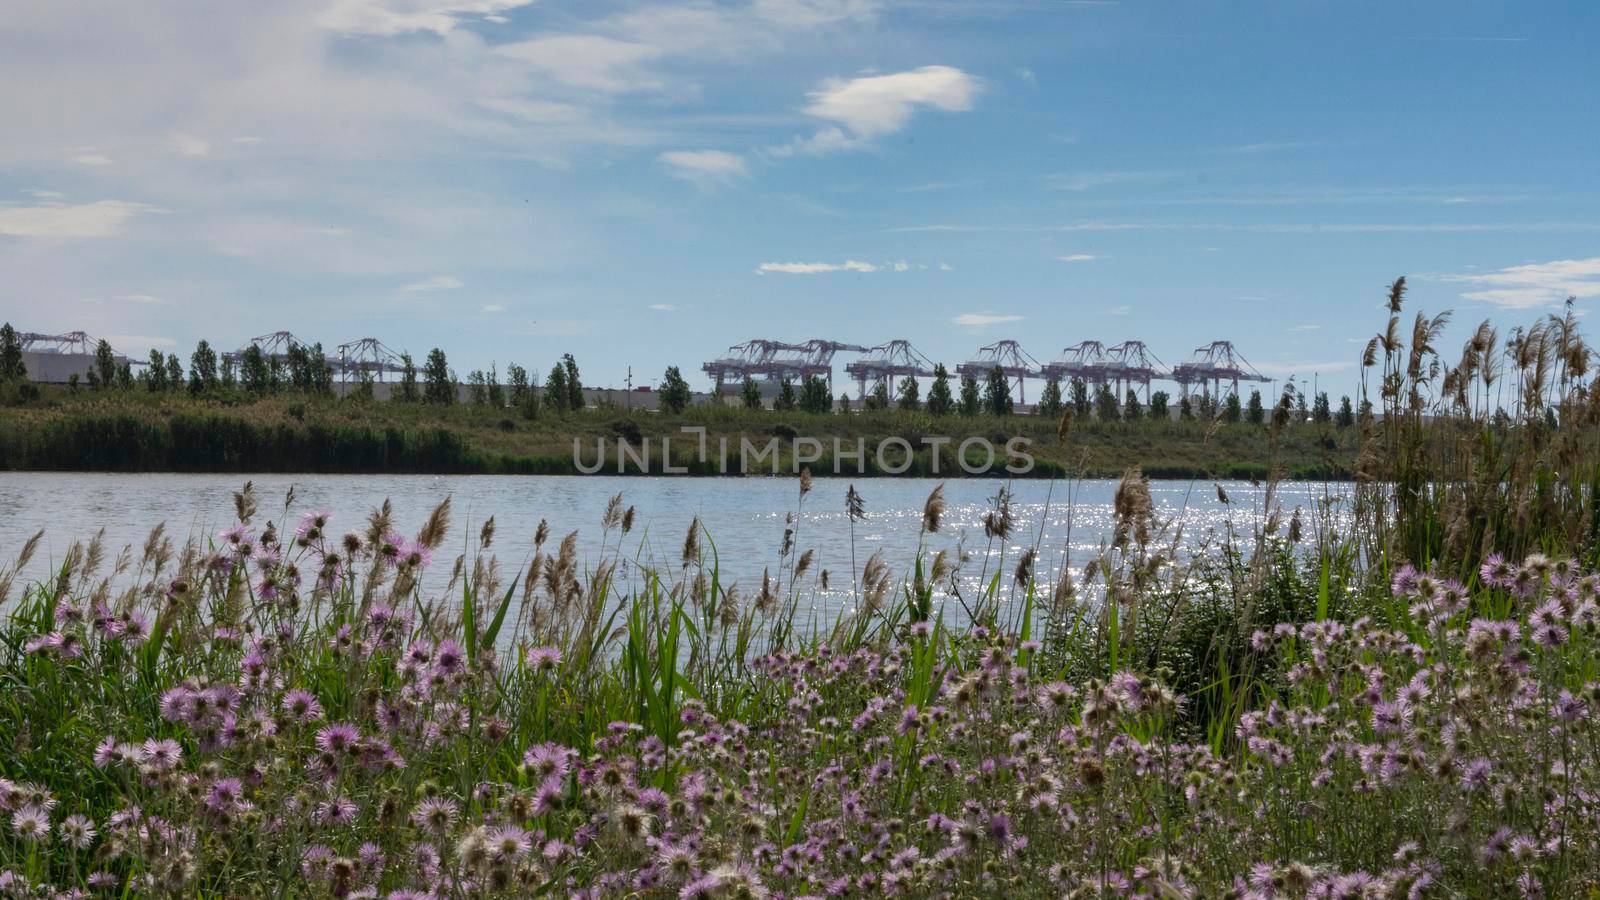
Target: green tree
pixel 1158 406
pixel 496 392
pixel 439 385
pixel 556 395
pixel 229 378
pixel 1347 416
pixel 971 398
pixel 786 399
pixel 939 400
pixel 997 393
pixel 1105 404
pixel 517 384
pixel 1230 407
pixel 252 370
pixel 11 365
pixel 844 402
pixel 477 388
pixel 910 394
pixel 574 385
pixel 1255 414
pixel 1185 408
pixel 1080 398
pixel 125 376
pixel 878 397
pixel 408 393
pixel 815 396
pixel 105 364
pixel 203 369
pixel 1050 404
pixel 1131 409
pixel 1320 410
pixel 174 379
pixel 156 372
pixel 750 393
pixel 674 391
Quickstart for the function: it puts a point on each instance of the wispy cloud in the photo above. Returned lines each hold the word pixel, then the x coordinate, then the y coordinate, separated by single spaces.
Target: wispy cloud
pixel 1083 181
pixel 1535 284
pixel 103 218
pixel 590 61
pixel 663 307
pixel 494 308
pixel 1305 328
pixel 190 146
pixel 705 168
pixel 390 18
pixel 144 299
pixel 436 283
pixel 873 106
pixel 814 268
pixel 1122 309
pixel 983 320
pixel 1078 257
pixel 1260 228
pixel 1259 147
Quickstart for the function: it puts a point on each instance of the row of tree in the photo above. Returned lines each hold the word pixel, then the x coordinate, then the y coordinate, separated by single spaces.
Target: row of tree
pixel 993 397
pixel 304 370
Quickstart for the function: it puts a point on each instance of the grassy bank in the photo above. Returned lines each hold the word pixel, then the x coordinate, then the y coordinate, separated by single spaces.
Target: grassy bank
pixel 115 431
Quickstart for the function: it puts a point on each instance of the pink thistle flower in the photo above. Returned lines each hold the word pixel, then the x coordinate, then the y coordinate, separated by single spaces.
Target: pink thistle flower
pixel 338 739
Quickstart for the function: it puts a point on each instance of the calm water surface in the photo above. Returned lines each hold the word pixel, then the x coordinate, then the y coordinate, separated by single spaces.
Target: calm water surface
pixel 745 517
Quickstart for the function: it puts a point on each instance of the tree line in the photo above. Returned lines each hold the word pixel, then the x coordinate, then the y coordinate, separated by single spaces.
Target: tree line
pixel 304 370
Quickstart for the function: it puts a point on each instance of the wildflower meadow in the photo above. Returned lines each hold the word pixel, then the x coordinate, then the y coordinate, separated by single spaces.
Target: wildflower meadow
pixel 280 709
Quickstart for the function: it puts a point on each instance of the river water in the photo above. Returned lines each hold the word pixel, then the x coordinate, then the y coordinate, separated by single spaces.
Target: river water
pixel 745 517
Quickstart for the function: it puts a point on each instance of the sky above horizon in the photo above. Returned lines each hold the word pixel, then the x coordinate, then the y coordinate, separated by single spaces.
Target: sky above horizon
pixel 643 184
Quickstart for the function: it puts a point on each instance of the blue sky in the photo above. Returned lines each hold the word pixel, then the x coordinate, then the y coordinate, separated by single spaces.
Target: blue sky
pixel 646 183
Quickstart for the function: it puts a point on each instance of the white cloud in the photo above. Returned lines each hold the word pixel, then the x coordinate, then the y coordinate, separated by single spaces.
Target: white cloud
pixel 494 308
pixel 1083 181
pixel 145 299
pixel 388 18
pixel 45 195
pixel 876 105
pixel 946 267
pixel 190 146
pixel 705 167
pixel 814 13
pixel 802 268
pixel 436 283
pixel 1536 284
pixel 1120 310
pixel 589 61
pixel 92 159
pixel 663 307
pixel 983 320
pixel 1078 257
pixel 102 218
pixel 1305 328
